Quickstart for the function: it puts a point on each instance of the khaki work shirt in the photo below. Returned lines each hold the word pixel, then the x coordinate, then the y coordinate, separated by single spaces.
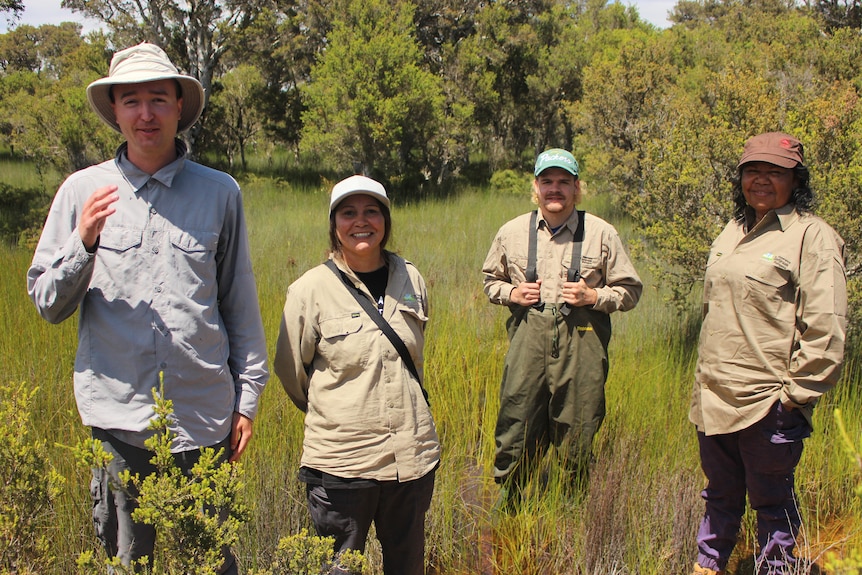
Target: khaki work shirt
pixel 774 307
pixel 365 415
pixel 605 266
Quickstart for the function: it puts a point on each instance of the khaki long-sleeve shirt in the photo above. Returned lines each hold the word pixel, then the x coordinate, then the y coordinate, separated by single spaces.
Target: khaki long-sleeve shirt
pixel 774 307
pixel 605 266
pixel 365 415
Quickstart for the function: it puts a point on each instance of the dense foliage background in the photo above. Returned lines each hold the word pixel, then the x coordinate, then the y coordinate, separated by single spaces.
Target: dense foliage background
pixel 425 94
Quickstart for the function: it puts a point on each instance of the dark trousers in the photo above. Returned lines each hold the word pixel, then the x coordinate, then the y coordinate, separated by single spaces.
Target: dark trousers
pixel 397 510
pixel 759 460
pixel 113 506
pixel 553 390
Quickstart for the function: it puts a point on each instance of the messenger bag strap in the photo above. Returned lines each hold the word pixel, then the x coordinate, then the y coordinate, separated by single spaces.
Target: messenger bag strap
pixel 374 314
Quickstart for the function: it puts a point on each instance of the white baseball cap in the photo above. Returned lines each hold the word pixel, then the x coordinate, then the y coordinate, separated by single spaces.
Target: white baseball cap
pixel 357 185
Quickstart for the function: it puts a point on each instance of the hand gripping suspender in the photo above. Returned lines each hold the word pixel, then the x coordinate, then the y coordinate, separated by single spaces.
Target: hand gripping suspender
pixel 574 274
pixel 374 314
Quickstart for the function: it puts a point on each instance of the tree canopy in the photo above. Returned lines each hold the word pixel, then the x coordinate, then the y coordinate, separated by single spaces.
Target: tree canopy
pixel 421 94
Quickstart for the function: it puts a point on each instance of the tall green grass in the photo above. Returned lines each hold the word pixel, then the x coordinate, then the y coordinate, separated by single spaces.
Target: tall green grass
pixel 640 511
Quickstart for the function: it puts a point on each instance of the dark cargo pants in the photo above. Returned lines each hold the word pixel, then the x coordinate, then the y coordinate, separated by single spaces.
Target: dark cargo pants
pixel 113 506
pixel 396 509
pixel 759 460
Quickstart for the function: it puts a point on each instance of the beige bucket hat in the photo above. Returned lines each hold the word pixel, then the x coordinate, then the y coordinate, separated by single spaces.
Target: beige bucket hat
pixel 145 63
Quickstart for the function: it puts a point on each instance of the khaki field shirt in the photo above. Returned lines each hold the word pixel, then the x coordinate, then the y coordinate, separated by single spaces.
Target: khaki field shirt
pixel 365 415
pixel 774 307
pixel 605 266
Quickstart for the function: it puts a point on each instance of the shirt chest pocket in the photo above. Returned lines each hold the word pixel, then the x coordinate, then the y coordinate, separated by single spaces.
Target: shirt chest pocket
pixel 194 257
pixel 593 264
pixel 343 342
pixel 117 272
pixel 118 240
pixel 768 293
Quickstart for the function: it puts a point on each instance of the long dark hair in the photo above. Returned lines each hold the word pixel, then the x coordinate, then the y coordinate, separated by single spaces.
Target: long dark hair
pixel 802 195
pixel 335 245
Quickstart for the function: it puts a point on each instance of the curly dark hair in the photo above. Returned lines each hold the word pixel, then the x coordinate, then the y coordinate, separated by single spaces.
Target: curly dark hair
pixel 802 195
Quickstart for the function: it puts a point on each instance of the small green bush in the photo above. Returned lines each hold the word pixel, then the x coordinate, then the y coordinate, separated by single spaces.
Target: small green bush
pixel 194 515
pixel 23 213
pixel 511 182
pixel 304 554
pixel 28 488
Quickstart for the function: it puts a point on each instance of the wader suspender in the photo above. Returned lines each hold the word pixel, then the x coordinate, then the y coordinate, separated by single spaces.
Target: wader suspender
pixel 375 316
pixel 574 274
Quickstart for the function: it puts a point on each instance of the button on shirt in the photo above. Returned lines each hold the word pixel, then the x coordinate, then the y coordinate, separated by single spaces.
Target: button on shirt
pixel 365 414
pixel 169 289
pixel 605 266
pixel 774 304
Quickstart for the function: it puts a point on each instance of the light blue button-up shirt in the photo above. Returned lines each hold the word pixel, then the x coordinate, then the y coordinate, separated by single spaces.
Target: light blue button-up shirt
pixel 169 289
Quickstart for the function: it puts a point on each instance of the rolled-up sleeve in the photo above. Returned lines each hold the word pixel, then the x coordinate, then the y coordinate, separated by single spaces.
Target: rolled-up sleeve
pixel 622 286
pixel 498 285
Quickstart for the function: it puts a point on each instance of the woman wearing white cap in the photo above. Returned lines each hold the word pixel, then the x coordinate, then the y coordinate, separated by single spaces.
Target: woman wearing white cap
pixel 772 342
pixel 350 355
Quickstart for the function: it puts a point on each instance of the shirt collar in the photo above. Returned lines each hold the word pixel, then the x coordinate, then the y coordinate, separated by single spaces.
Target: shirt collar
pixel 138 178
pixel 784 216
pixel 571 222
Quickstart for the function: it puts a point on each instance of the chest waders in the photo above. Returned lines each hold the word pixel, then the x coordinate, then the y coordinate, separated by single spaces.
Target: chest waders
pixel 553 381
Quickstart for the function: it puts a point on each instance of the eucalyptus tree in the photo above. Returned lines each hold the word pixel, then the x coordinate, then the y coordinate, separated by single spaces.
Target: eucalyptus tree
pixel 235 107
pixel 370 103
pixel 195 33
pixel 14 8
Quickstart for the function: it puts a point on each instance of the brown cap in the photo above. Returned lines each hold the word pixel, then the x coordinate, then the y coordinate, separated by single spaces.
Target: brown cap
pixel 774 148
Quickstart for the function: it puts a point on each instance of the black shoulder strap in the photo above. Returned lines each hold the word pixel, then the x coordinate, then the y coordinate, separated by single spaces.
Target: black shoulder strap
pixel 530 272
pixel 574 274
pixel 374 314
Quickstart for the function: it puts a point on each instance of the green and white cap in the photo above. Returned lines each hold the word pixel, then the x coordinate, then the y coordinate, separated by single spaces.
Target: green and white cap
pixel 556 158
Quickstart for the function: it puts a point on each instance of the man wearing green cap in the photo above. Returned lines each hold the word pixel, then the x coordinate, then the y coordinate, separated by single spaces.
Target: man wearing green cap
pixel 561 272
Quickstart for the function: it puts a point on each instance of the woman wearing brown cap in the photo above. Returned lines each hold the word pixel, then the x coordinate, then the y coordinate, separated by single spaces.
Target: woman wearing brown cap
pixel 772 342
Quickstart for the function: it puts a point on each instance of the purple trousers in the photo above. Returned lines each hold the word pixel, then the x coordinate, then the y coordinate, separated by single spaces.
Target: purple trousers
pixel 759 460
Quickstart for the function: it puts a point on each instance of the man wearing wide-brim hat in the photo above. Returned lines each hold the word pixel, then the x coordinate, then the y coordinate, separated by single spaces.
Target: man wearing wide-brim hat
pixel 152 249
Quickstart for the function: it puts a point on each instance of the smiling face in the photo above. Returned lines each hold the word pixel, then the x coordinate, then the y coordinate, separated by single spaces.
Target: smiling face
pixel 360 227
pixel 766 186
pixel 148 114
pixel 557 191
